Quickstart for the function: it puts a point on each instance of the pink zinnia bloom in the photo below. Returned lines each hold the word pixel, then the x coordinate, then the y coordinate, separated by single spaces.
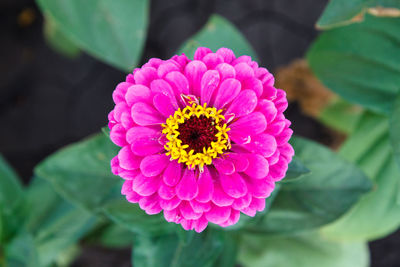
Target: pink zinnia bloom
pixel 202 140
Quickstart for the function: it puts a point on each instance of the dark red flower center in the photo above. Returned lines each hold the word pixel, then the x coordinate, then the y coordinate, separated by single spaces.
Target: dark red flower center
pixel 197 133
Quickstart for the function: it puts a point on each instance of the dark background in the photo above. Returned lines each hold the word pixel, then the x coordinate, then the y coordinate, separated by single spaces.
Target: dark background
pixel 48 101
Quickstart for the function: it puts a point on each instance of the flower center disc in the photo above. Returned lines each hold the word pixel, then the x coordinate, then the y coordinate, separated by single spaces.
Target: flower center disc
pixel 196 135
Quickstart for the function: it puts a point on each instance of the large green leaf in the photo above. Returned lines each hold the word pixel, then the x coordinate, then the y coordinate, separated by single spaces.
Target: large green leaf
pixel 11 201
pixel 55 224
pixel 217 33
pixel 377 213
pixel 341 115
pixel 22 252
pixel 306 250
pixel 394 129
pixel 113 31
pixel 296 169
pixel 57 40
pixel 135 219
pixel 361 62
pixel 11 191
pixel 81 172
pixel 169 250
pixel 343 12
pixel 319 197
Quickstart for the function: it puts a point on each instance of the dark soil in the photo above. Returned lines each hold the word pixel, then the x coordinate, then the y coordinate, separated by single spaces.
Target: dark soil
pixel 48 101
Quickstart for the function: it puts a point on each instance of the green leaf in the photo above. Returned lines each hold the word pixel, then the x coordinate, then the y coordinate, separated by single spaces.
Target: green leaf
pixel 295 170
pixel 21 252
pixel 11 191
pixel 11 200
pixel 343 12
pixel 377 213
pixel 360 62
pixel 394 129
pixel 58 41
pixel 306 250
pixel 113 31
pixel 228 256
pixel 331 188
pixel 116 236
pixel 219 32
pixel 81 172
pixel 169 250
pixel 55 224
pixel 341 115
pixel 135 219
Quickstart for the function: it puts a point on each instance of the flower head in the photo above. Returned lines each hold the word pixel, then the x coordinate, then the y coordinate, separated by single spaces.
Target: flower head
pixel 202 140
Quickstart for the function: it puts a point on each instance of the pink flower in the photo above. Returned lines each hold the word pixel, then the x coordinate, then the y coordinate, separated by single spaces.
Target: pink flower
pixel 202 140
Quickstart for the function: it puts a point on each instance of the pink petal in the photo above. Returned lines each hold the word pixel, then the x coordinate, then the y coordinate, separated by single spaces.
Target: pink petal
pixel 226 71
pixel 212 60
pixel 173 173
pixel 165 191
pixel 242 202
pixel 276 127
pixel 145 186
pixel 284 137
pixel 246 126
pixel 209 83
pixel 187 188
pixel 243 71
pixel 287 151
pixel 133 197
pixel 233 218
pixel 187 224
pixel 278 170
pixel 137 93
pixel 150 204
pixel 245 59
pixel 172 215
pixel 120 109
pixel 244 104
pixel 144 115
pixel 153 165
pixel 253 84
pixel 200 224
pixel 233 185
pixel 144 140
pixel 126 187
pixel 163 104
pixel 226 54
pixel 187 211
pixel 206 186
pixel 274 158
pixel 224 166
pixel 145 75
pixel 219 197
pixel 200 207
pixel 265 76
pixel 201 52
pixel 264 144
pixel 170 204
pixel 166 67
pixel 194 72
pixel 218 215
pixel 227 91
pixel 127 159
pixel 258 167
pixel 267 108
pixel 260 188
pixel 117 135
pixel 178 81
pixel 120 91
pixel 281 101
pixel 241 163
pixel 160 86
